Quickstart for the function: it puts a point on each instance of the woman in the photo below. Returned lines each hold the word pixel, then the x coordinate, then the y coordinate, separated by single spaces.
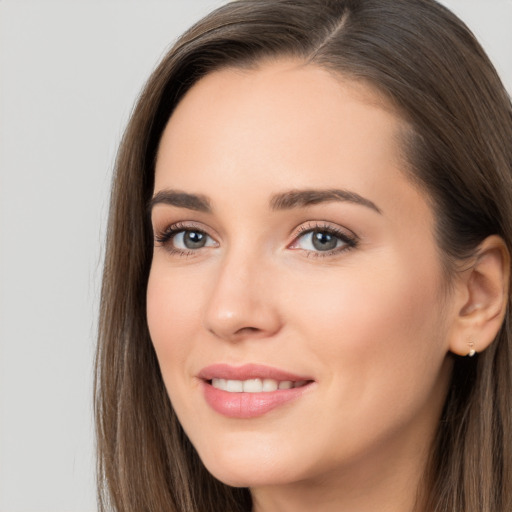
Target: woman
pixel 305 301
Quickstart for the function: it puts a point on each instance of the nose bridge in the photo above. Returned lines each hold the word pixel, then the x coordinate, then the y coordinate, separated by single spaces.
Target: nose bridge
pixel 241 302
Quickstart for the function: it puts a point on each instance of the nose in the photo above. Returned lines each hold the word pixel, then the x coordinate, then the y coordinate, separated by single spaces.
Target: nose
pixel 242 304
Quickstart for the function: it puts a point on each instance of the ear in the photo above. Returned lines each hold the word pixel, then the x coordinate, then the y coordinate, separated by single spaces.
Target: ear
pixel 481 296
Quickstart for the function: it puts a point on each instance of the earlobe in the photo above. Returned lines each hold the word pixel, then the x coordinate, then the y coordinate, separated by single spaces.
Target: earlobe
pixel 483 292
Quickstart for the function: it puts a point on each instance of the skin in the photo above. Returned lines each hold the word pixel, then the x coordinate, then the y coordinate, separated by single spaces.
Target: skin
pixel 370 324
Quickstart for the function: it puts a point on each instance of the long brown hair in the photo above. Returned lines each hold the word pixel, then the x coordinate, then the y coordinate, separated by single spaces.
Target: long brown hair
pixel 431 68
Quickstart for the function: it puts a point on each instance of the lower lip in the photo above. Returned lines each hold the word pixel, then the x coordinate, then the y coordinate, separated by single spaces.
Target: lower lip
pixel 249 405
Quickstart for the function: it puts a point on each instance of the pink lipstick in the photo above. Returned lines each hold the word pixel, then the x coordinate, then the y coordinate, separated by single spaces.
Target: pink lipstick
pixel 251 390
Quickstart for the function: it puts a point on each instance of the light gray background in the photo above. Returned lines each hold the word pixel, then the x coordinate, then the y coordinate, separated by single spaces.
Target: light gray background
pixel 69 74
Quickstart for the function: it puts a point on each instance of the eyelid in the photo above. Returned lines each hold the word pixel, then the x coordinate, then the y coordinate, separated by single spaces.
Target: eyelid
pixel 322 225
pixel 165 236
pixel 348 237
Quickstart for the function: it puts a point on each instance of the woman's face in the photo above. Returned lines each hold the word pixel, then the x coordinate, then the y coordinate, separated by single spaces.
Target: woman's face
pixel 293 252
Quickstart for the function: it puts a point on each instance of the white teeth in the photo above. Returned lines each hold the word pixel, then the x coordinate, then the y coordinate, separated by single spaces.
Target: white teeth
pixel 270 385
pixel 254 385
pixel 234 386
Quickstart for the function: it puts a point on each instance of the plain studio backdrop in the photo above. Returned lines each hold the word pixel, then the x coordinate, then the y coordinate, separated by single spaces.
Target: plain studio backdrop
pixel 70 71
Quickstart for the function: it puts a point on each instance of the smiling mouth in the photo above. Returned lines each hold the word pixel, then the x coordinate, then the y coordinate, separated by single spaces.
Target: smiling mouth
pixel 251 390
pixel 255 385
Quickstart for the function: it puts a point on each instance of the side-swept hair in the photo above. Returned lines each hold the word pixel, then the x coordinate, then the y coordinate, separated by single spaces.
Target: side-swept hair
pixel 431 68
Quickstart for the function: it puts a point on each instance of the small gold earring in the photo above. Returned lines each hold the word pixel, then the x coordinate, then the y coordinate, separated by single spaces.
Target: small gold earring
pixel 472 350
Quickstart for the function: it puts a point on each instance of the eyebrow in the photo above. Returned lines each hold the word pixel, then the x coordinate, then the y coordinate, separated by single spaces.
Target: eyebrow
pixel 282 201
pixel 180 199
pixel 302 198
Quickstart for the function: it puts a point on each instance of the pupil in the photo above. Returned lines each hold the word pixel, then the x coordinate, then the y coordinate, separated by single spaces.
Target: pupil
pixel 324 241
pixel 194 239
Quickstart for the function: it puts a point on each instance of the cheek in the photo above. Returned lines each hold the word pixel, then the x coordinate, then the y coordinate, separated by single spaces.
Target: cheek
pixel 379 342
pixel 382 327
pixel 361 308
pixel 172 313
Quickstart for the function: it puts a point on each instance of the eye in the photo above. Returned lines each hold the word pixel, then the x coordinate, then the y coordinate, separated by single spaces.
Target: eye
pixel 190 240
pixel 323 239
pixel 319 241
pixel 182 240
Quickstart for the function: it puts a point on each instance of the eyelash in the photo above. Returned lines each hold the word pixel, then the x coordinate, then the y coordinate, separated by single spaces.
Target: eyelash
pixel 350 241
pixel 166 236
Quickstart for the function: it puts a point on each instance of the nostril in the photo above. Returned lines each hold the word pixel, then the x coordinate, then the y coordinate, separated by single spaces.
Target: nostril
pixel 248 330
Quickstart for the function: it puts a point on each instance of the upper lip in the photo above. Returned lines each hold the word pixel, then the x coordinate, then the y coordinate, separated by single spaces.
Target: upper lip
pixel 248 371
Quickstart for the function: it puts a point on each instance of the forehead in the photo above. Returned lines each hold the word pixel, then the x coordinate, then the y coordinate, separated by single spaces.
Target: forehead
pixel 280 124
pixel 289 89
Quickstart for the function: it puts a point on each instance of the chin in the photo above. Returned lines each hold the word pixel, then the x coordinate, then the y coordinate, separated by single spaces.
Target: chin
pixel 250 467
pixel 248 476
